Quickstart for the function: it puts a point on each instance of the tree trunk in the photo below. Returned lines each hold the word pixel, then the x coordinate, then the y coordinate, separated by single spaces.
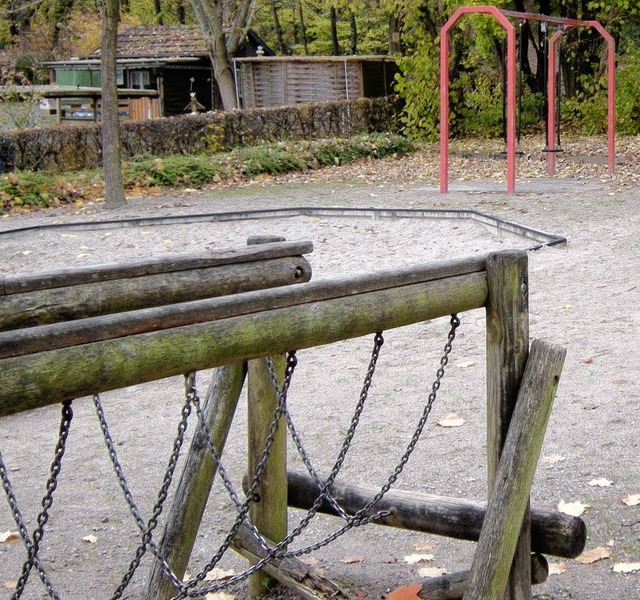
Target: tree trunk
pixel 113 187
pixel 335 45
pixel 353 38
pixel 157 7
pixel 303 28
pixel 394 35
pixel 209 18
pixel 181 12
pixel 282 45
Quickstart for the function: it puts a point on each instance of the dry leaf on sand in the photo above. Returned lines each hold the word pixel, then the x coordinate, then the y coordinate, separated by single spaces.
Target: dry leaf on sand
pixel 593 555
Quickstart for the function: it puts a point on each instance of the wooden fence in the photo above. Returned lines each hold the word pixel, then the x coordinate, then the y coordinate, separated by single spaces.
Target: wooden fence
pixel 251 325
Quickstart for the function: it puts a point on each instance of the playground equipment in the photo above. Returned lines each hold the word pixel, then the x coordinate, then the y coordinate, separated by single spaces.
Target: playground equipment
pixel 225 332
pixel 503 16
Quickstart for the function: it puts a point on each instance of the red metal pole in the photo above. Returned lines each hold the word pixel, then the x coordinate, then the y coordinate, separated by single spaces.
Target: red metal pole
pixel 551 103
pixel 511 108
pixel 444 93
pixel 611 93
pixel 444 109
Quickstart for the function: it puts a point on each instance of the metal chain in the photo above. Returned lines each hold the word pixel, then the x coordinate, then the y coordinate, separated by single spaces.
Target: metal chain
pixel 277 551
pixel 147 529
pixel 359 518
pixel 32 544
pixel 186 589
pixel 243 508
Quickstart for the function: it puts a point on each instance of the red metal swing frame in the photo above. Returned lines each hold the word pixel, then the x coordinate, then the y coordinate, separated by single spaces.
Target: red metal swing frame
pixel 502 17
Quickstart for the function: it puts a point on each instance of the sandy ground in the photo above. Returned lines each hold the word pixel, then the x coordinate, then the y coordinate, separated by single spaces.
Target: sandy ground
pixel 583 296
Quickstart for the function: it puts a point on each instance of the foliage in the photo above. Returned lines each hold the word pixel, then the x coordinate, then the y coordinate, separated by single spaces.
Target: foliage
pixel 27 189
pixel 174 171
pixel 23 189
pixel 627 97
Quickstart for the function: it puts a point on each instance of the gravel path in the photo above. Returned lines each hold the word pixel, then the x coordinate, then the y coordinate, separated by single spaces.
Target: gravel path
pixel 583 296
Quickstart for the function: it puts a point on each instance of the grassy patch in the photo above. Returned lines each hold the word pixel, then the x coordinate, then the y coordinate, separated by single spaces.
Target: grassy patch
pixel 23 190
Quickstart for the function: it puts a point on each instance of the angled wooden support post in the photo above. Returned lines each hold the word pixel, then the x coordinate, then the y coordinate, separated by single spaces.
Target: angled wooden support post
pixel 507 323
pixel 195 484
pixel 510 496
pixel 269 509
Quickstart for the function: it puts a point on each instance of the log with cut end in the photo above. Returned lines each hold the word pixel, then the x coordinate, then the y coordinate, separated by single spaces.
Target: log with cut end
pixel 552 533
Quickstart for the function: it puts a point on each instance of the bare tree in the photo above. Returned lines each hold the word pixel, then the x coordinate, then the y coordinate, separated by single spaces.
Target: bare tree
pixel 113 187
pixel 215 17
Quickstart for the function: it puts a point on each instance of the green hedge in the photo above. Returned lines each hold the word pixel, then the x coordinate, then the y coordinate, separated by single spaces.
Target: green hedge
pixel 74 147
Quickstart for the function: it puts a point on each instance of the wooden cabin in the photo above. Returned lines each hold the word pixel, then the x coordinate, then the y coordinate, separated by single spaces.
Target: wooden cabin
pixel 264 81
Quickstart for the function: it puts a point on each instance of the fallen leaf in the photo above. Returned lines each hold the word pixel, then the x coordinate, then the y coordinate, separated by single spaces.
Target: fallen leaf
pixel 83 255
pixel 466 364
pixel 89 539
pixel 145 233
pixel 168 241
pixel 552 459
pixel 587 361
pixel 432 572
pixel 602 482
pixel 390 560
pixel 626 567
pixel 451 420
pixel 67 235
pixel 593 555
pixel 566 307
pixel 405 592
pixel 423 546
pixel 631 500
pixel 349 560
pixel 414 559
pixel 557 568
pixel 26 252
pixel 621 381
pixel 217 574
pixel 575 509
pixel 219 596
pixel 309 560
pixel 11 585
pixel 9 536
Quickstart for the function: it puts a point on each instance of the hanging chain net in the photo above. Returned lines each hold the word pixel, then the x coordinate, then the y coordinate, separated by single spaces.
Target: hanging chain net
pixel 197 586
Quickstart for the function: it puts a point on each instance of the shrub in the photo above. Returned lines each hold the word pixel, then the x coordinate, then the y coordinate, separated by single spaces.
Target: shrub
pixel 22 189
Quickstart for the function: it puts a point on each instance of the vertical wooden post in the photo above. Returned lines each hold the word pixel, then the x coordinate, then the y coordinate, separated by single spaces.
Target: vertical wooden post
pixel 507 313
pixel 510 497
pixel 195 484
pixel 269 511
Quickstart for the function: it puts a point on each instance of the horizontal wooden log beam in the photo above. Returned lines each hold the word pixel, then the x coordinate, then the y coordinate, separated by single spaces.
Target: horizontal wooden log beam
pixel 21 282
pixel 552 533
pixel 83 331
pixel 45 378
pixel 219 285
pixel 120 295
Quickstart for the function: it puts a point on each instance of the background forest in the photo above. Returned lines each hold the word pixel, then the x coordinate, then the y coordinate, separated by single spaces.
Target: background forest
pixel 32 31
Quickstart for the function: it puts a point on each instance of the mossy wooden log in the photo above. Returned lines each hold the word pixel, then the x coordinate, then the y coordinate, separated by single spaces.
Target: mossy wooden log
pixel 119 295
pixel 29 282
pixel 268 512
pixel 82 331
pixel 194 487
pixel 303 579
pixel 507 350
pixel 454 586
pixel 45 378
pixel 552 533
pixel 509 498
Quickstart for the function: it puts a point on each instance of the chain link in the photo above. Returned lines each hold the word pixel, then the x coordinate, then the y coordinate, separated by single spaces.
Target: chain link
pixel 32 544
pixel 188 588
